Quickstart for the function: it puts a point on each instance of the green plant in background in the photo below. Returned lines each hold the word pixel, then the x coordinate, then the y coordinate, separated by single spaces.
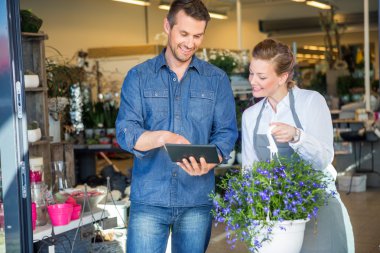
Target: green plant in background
pixel 255 198
pixel 345 84
pixel 98 115
pixel 240 106
pixel 318 83
pixel 33 125
pixel 30 22
pixel 224 60
pixel 88 115
pixel 110 115
pixel 61 76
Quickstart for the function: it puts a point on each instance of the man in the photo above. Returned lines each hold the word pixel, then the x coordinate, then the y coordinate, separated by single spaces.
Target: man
pixel 174 98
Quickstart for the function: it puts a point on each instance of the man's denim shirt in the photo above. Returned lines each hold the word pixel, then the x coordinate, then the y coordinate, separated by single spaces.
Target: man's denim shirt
pixel 200 107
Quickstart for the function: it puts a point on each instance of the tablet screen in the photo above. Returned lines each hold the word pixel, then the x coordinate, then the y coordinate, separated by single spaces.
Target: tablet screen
pixel 179 151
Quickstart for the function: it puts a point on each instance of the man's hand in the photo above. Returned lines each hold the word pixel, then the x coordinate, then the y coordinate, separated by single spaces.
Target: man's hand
pixel 197 169
pixel 155 139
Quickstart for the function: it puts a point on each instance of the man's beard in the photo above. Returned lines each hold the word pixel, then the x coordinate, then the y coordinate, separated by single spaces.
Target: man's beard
pixel 178 56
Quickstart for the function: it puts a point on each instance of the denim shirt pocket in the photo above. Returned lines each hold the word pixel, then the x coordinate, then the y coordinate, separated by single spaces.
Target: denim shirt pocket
pixel 156 104
pixel 201 102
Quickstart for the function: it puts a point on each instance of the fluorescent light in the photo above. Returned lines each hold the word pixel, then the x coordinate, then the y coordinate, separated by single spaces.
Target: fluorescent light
pixel 319 5
pixel 299 1
pixel 215 15
pixel 137 2
pixel 164 7
pixel 218 15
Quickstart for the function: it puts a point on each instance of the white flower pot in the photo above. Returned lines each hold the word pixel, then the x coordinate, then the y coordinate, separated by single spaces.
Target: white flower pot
pixel 239 158
pixel 232 159
pixel 111 131
pixel 55 129
pixel 89 133
pixel 286 241
pixel 31 81
pixel 34 135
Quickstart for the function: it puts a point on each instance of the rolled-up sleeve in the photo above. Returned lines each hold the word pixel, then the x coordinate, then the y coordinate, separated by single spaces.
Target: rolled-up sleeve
pixel 129 122
pixel 224 132
pixel 316 144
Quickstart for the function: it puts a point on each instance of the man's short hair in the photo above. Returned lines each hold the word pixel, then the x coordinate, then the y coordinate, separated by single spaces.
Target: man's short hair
pixel 193 8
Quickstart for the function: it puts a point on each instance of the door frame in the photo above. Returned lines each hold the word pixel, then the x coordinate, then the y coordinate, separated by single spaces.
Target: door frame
pixel 14 158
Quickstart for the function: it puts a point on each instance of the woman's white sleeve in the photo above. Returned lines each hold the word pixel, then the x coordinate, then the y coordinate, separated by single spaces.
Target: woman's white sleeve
pixel 316 143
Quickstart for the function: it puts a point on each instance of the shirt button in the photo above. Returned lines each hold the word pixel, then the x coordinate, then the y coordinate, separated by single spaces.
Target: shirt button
pixel 174 174
pixel 174 79
pixel 156 94
pixel 203 95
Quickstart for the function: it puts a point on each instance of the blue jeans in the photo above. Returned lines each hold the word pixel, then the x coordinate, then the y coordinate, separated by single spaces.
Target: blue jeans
pixel 149 228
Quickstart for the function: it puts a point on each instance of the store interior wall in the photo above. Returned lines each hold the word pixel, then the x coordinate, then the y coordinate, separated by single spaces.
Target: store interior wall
pixel 74 25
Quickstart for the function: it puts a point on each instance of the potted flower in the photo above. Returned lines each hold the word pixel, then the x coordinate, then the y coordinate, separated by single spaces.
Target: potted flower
pixel 60 77
pixel 260 201
pixel 225 60
pixel 31 79
pixel 99 119
pixel 34 132
pixel 88 120
pixel 110 115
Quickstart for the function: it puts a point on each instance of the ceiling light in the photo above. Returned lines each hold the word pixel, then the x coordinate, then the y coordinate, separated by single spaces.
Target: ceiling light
pixel 137 2
pixel 319 5
pixel 164 6
pixel 217 15
pixel 299 1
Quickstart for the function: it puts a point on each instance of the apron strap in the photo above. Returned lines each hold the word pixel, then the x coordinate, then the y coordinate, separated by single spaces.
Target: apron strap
pixel 293 109
pixel 257 125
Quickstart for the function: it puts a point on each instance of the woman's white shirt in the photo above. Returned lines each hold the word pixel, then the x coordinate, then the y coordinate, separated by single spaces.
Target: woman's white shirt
pixel 316 143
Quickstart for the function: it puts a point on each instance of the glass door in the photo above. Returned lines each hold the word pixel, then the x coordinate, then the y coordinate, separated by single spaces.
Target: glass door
pixel 15 210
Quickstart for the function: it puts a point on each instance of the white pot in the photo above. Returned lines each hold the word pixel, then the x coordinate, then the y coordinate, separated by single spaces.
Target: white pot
pixel 239 158
pixel 89 133
pixel 55 129
pixel 34 135
pixel 286 241
pixel 111 131
pixel 232 159
pixel 31 81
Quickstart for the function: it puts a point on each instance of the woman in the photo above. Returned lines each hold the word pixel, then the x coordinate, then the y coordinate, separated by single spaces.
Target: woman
pixel 301 122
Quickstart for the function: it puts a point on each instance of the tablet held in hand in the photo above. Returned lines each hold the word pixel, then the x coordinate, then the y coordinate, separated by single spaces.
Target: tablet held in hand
pixel 179 151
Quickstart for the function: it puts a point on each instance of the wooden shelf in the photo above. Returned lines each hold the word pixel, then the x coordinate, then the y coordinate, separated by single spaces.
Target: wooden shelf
pixel 40 142
pixel 42 232
pixel 40 35
pixel 347 121
pixel 37 89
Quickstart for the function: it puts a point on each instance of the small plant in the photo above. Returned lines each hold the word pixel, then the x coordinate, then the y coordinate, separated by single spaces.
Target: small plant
pixel 256 198
pixel 224 60
pixel 88 115
pixel 33 125
pixel 110 115
pixel 30 22
pixel 29 72
pixel 61 76
pixel 98 115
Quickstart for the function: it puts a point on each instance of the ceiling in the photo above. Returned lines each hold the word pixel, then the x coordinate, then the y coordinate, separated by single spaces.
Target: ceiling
pixel 346 6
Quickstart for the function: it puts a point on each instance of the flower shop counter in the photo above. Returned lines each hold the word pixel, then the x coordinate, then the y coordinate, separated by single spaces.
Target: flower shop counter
pixel 43 232
pixel 85 159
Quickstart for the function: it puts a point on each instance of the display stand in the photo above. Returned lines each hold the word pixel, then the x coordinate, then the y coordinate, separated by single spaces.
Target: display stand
pixel 371 138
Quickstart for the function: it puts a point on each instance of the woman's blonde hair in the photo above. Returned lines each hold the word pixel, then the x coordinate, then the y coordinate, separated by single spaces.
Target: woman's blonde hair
pixel 280 55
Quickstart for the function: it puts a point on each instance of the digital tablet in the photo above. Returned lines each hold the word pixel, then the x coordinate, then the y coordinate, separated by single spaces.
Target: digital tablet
pixel 179 151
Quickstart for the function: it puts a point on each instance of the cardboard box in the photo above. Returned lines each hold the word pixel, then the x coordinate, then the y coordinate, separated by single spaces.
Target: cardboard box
pixel 358 183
